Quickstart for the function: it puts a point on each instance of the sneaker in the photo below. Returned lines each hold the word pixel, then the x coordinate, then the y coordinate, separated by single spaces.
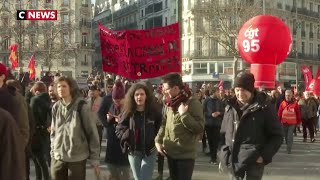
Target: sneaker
pixel 214 162
pixel 304 139
pixel 313 140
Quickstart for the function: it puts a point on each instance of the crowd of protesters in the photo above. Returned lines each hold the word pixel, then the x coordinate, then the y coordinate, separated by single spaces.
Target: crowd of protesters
pixel 60 127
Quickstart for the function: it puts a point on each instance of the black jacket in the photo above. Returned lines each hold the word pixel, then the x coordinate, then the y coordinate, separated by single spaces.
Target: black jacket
pixel 114 154
pixel 127 128
pixel 106 103
pixel 211 105
pixel 7 102
pixel 256 133
pixel 40 106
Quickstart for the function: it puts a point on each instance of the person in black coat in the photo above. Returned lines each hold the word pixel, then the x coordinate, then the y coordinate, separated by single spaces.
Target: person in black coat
pixel 12 160
pixel 40 106
pixel 116 160
pixel 251 133
pixel 213 112
pixel 106 104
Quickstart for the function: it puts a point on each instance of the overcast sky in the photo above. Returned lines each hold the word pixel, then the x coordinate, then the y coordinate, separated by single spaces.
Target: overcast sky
pixel 93 1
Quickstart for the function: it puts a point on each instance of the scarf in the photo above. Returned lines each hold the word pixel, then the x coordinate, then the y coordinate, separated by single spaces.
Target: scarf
pixel 182 97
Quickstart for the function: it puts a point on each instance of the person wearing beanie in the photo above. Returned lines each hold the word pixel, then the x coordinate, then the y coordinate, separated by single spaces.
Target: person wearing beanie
pixel 117 161
pixel 250 132
pixel 95 102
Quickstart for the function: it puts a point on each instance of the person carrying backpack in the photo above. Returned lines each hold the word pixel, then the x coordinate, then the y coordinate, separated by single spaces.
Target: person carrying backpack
pixel 74 135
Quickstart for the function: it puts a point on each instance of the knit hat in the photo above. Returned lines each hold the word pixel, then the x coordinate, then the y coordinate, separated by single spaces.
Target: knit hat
pixel 118 91
pixel 3 69
pixel 245 80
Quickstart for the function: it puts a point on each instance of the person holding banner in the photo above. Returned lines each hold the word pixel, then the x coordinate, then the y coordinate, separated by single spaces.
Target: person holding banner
pixel 137 129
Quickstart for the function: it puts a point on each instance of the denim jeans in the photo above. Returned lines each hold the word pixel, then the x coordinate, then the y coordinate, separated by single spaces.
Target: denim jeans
pixel 142 166
pixel 288 135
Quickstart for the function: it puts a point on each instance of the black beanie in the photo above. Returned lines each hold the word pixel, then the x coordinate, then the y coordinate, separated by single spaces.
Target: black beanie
pixel 245 80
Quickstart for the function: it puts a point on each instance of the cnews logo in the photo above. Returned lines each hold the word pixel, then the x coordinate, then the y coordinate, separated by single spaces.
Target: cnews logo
pixel 37 15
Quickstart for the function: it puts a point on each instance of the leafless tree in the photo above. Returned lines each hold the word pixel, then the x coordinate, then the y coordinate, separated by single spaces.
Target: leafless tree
pixel 221 20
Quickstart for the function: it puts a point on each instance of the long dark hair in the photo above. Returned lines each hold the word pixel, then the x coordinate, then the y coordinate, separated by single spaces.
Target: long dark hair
pixel 130 105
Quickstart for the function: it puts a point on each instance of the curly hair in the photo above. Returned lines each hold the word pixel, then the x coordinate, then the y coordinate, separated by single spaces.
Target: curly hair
pixel 130 105
pixel 74 89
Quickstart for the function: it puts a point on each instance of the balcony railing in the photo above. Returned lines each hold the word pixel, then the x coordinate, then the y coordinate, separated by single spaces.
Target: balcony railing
pixel 87 45
pixel 84 63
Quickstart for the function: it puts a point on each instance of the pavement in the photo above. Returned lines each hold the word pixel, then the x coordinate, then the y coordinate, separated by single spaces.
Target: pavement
pixel 302 164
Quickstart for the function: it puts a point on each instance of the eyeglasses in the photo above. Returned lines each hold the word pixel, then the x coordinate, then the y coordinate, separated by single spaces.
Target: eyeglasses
pixel 109 87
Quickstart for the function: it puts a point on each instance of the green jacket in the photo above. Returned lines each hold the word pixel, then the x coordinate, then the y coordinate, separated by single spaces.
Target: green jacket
pixel 180 134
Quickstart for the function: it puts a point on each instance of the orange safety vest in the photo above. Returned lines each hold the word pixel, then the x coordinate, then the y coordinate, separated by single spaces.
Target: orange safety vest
pixel 289 115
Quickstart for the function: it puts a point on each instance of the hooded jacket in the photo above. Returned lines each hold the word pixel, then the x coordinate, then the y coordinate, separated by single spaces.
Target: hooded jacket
pixel 248 134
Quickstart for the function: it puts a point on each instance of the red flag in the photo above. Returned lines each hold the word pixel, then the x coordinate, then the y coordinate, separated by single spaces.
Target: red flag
pixel 32 69
pixel 307 75
pixel 13 56
pixel 220 85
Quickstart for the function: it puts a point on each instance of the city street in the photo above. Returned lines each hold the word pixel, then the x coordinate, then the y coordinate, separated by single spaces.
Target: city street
pixel 302 164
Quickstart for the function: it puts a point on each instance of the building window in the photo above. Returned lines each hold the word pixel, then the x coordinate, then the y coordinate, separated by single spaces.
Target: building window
pixel 6 43
pixel 302 48
pixel 166 4
pixel 318 50
pixel 84 39
pixel 303 5
pixel 66 39
pixel 213 48
pixel 311 7
pixel 220 68
pixel 199 47
pixel 200 68
pixel 165 21
pixel 32 41
pixel 212 68
pixel 157 7
pixel 65 18
pixel 6 3
pixel 228 68
pixel 311 49
pixel 174 11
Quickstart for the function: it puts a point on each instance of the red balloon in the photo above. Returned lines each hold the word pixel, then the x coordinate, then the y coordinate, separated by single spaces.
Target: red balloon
pixel 264 41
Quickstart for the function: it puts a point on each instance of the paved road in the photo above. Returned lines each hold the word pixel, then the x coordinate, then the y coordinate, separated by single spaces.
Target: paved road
pixel 302 164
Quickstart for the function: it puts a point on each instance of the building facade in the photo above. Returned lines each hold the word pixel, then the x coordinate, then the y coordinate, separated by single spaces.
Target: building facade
pixel 208 58
pixel 157 13
pixel 58 46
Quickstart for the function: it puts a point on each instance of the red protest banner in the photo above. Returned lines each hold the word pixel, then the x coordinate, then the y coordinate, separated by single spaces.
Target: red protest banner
pixel 141 54
pixel 307 76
